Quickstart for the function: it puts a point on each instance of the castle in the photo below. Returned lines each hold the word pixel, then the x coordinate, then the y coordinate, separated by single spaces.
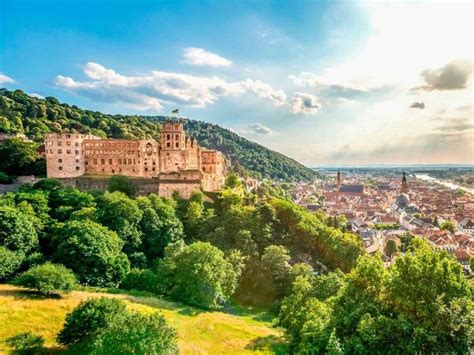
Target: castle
pixel 175 164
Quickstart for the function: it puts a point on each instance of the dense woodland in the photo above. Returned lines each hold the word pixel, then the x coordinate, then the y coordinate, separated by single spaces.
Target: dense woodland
pixel 218 249
pixel 21 113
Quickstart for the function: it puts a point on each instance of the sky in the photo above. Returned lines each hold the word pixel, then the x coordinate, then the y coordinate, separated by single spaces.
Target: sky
pixel 324 82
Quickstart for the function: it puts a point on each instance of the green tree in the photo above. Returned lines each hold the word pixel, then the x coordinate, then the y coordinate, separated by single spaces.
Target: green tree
pixel 89 318
pixel 197 274
pixel 390 248
pixel 16 231
pixel 122 184
pixel 159 225
pixel 334 347
pixel 26 344
pixel 47 279
pixel 136 334
pixel 232 181
pixel 121 214
pixel 92 251
pixel 448 225
pixel 143 280
pixel 18 156
pixel 10 262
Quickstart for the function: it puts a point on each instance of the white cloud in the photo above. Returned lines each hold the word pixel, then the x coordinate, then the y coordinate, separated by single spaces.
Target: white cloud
pixel 153 90
pixel 326 81
pixel 258 128
pixel 5 79
pixel 304 103
pixel 38 96
pixel 199 56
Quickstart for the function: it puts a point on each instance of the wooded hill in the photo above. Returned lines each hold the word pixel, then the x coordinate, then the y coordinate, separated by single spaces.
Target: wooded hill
pixel 21 113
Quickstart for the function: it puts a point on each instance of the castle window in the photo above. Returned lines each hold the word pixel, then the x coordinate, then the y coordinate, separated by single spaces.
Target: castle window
pixel 60 151
pixel 77 168
pixel 60 160
pixel 77 152
pixel 68 151
pixel 102 161
pixel 168 136
pixel 113 171
pixel 59 144
pixel 68 136
pixel 176 137
pixel 60 168
pixel 110 161
pixel 146 169
pixel 77 160
pixel 168 145
pixel 95 161
pixel 177 145
pixel 77 144
pixel 129 161
pixel 153 169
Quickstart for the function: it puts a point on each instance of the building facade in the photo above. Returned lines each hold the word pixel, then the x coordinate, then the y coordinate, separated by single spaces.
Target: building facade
pixel 176 162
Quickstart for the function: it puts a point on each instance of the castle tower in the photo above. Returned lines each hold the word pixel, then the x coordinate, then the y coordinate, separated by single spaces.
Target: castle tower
pixel 338 180
pixel 404 189
pixel 172 146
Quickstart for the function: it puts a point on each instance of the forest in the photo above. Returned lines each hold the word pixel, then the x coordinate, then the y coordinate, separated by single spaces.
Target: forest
pixel 21 113
pixel 212 251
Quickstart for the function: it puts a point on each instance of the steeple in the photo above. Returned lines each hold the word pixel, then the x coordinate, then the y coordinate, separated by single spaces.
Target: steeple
pixel 338 180
pixel 404 189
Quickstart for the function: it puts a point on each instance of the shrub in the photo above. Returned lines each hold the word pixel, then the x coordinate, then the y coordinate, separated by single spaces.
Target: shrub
pixel 16 231
pixel 10 262
pixel 197 274
pixel 89 318
pixel 26 344
pixel 92 251
pixel 142 280
pixel 136 334
pixel 47 279
pixel 5 178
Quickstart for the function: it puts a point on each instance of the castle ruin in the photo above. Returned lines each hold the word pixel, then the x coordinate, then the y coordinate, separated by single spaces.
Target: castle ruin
pixel 175 164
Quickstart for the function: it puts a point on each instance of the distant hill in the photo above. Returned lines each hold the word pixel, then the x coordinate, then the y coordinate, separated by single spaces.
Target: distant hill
pixel 21 113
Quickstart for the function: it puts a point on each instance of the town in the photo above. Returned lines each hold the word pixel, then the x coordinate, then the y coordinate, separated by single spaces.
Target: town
pixel 386 209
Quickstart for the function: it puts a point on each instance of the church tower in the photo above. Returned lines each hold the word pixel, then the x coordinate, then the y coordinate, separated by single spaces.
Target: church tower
pixel 338 180
pixel 404 189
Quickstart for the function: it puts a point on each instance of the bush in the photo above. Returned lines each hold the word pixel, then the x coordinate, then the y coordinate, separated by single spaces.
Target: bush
pixel 136 334
pixel 89 318
pixel 123 184
pixel 16 231
pixel 142 280
pixel 47 279
pixel 92 251
pixel 5 178
pixel 197 274
pixel 26 344
pixel 10 262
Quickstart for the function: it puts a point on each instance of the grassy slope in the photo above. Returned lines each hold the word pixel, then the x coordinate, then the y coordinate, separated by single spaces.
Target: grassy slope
pixel 199 332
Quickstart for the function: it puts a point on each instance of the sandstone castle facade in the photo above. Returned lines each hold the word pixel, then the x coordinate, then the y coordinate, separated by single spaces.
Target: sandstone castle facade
pixel 176 163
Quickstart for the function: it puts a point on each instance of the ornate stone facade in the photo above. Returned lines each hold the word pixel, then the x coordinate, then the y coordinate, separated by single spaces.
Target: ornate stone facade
pixel 177 161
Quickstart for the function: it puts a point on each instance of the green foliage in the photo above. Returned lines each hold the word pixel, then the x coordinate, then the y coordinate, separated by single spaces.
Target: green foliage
pixel 10 262
pixel 121 214
pixel 65 201
pixel 390 248
pixel 142 280
pixel 18 156
pixel 26 344
pixel 35 117
pixel 136 334
pixel 5 178
pixel 89 318
pixel 16 231
pixel 122 184
pixel 159 224
pixel 92 251
pixel 448 225
pixel 232 181
pixel 47 279
pixel 421 304
pixel 197 274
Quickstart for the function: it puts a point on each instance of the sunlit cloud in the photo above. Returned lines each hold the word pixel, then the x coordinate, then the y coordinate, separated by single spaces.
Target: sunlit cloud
pixel 199 56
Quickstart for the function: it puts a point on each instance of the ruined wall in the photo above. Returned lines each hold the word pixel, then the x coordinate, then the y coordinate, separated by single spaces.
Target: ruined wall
pixel 65 154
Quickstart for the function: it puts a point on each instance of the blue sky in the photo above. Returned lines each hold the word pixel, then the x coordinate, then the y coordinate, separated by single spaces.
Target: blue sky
pixel 324 82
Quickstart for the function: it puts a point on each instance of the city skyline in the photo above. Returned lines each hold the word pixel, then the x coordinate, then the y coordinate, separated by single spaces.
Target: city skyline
pixel 326 83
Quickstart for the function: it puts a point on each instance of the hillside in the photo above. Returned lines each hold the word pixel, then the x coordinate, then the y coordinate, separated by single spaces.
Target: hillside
pixel 199 332
pixel 21 113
